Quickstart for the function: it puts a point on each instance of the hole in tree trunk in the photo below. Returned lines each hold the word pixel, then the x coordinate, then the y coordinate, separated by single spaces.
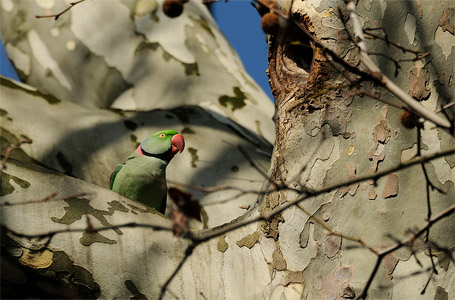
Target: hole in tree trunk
pixel 290 58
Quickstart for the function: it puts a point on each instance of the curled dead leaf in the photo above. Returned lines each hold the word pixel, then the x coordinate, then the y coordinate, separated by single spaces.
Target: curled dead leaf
pixel 188 206
pixel 179 221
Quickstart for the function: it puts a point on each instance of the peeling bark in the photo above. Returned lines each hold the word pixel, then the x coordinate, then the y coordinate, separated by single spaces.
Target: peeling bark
pixel 326 133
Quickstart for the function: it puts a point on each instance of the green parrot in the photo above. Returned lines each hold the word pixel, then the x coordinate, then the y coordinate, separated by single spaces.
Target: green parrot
pixel 143 176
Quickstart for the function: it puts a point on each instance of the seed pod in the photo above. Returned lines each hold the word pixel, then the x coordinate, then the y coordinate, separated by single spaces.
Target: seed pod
pixel 172 8
pixel 270 23
pixel 408 119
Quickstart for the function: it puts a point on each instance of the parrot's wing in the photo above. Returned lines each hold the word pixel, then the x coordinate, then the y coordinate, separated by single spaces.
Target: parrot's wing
pixel 112 179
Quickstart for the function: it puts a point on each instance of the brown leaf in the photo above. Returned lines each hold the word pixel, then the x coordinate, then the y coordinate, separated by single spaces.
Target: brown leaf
pixel 179 221
pixel 189 207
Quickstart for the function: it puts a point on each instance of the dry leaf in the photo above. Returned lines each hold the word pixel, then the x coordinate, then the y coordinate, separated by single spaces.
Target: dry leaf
pixel 179 221
pixel 189 207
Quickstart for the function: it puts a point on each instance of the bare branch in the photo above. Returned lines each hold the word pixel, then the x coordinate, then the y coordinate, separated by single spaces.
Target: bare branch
pixel 200 237
pixel 414 105
pixel 374 73
pixel 332 232
pixel 51 234
pixel 251 161
pixel 56 16
pixel 447 106
pixel 428 281
pixel 373 96
pixel 369 34
pixel 49 198
pixel 445 213
pixel 364 292
pixel 205 236
pixel 188 252
pixel 9 150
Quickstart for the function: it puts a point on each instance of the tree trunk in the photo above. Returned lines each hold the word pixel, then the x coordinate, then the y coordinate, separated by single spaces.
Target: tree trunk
pixel 326 134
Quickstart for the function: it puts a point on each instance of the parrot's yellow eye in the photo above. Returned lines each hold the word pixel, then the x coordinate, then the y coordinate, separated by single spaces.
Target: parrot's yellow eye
pixel 162 135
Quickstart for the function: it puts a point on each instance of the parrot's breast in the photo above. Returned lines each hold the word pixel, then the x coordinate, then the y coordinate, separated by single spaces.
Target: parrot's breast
pixel 143 179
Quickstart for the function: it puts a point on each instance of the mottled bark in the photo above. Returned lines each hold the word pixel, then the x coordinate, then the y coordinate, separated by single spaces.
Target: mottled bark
pixel 324 136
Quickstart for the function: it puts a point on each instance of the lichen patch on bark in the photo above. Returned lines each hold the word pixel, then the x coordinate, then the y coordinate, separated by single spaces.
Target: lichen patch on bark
pixel 78 207
pixel 194 157
pixel 89 238
pixel 134 290
pixel 278 261
pixel 36 259
pixel 7 188
pixel 250 240
pixel 234 102
pixel 222 245
pixel 43 273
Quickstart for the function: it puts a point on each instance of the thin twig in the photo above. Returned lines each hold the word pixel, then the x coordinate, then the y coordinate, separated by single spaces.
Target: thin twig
pixel 364 292
pixel 332 232
pixel 445 213
pixel 251 161
pixel 41 236
pixel 380 99
pixel 414 105
pixel 428 281
pixel 444 107
pixel 427 191
pixel 49 198
pixel 188 252
pixel 9 150
pixel 199 237
pixel 205 236
pixel 389 42
pixel 56 16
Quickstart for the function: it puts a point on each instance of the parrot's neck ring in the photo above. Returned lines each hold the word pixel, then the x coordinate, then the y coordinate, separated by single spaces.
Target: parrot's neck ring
pixel 166 156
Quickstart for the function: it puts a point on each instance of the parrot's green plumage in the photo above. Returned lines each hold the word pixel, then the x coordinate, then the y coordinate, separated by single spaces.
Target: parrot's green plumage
pixel 143 176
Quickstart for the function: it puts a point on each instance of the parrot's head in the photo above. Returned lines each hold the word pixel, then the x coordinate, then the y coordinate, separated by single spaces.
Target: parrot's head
pixel 162 144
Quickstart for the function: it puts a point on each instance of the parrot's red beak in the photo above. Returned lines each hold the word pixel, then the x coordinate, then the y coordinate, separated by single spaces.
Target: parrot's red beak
pixel 178 144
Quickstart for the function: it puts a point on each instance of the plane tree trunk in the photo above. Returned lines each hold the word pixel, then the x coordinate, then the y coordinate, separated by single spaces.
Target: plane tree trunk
pixel 326 133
